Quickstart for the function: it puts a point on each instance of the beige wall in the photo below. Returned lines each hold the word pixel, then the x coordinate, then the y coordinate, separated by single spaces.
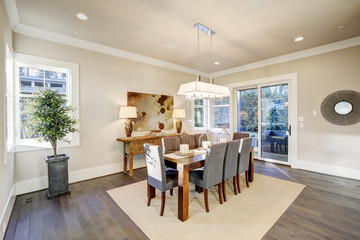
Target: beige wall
pixel 104 81
pixel 6 172
pixel 319 141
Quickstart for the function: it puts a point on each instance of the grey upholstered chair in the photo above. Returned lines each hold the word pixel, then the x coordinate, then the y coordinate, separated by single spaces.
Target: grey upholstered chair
pixel 230 164
pixel 212 173
pixel 170 144
pixel 157 175
pixel 240 135
pixel 243 162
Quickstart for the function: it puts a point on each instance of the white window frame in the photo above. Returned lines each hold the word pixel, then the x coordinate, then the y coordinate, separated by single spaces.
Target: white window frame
pixel 72 82
pixel 9 116
pixel 208 115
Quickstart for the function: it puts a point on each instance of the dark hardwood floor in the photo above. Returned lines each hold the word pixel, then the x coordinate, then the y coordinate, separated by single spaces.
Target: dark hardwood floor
pixel 328 208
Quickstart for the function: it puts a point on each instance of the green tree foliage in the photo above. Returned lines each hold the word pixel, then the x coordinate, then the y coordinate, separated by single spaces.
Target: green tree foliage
pixel 249 110
pixel 49 118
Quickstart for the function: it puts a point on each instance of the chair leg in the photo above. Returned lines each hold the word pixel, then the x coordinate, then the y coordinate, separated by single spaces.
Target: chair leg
pixel 224 190
pixel 200 189
pixel 220 193
pixel 206 200
pixel 238 182
pixel 234 184
pixel 150 193
pixel 171 192
pixel 247 178
pixel 162 203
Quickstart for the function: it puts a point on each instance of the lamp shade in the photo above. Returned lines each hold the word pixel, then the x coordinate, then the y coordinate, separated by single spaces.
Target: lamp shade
pixel 179 113
pixel 127 112
pixel 198 89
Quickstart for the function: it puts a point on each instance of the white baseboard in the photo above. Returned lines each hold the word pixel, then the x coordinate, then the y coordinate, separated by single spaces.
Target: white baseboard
pixel 36 184
pixel 327 169
pixel 5 215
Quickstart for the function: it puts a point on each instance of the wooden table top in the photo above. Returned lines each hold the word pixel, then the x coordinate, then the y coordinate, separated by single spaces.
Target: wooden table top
pixel 140 138
pixel 186 160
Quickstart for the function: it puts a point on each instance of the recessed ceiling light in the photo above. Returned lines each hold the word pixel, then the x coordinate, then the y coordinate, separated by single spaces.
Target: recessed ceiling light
pixel 82 16
pixel 341 26
pixel 216 63
pixel 76 33
pixel 298 39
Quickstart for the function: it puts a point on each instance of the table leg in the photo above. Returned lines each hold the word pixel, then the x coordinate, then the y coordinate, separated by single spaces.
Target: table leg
pixel 125 163
pixel 251 166
pixel 183 193
pixel 131 165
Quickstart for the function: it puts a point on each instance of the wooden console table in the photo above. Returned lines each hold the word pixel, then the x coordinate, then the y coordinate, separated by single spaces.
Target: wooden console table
pixel 135 145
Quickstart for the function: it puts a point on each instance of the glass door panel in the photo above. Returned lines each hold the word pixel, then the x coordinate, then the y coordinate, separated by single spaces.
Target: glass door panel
pixel 274 122
pixel 247 114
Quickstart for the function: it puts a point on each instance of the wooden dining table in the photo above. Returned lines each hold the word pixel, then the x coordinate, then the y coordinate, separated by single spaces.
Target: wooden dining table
pixel 184 166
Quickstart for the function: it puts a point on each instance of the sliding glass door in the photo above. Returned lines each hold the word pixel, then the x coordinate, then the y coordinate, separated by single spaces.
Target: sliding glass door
pixel 263 112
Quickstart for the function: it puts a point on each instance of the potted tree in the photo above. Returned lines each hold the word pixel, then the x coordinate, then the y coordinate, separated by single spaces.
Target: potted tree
pixel 49 119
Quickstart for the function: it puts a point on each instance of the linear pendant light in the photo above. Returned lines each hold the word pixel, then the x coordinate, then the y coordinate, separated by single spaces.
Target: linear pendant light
pixel 198 89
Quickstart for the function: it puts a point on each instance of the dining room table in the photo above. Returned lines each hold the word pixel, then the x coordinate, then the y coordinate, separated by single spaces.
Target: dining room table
pixel 184 164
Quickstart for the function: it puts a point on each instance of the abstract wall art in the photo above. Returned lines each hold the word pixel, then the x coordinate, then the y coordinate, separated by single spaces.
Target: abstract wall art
pixel 154 111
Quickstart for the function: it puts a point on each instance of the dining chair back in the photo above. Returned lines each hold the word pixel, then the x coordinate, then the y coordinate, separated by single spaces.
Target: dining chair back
pixel 170 144
pixel 230 164
pixel 157 175
pixel 188 139
pixel 213 166
pixel 238 135
pixel 199 138
pixel 211 175
pixel 244 159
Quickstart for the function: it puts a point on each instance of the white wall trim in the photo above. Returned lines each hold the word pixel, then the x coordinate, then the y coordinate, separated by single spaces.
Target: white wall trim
pixel 96 47
pixel 327 169
pixel 31 31
pixel 351 42
pixel 6 213
pixel 36 184
pixel 12 12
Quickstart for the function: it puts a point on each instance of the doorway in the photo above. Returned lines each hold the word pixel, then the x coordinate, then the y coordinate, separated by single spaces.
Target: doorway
pixel 264 111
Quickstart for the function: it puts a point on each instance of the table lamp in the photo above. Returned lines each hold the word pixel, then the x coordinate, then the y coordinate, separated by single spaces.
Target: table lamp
pixel 178 114
pixel 127 113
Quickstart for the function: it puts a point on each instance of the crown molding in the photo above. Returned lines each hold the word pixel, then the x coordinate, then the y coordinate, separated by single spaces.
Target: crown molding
pixel 351 42
pixel 79 43
pixel 13 15
pixel 12 12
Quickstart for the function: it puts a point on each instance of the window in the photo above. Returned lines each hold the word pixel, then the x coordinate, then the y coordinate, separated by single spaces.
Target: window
pixel 32 73
pixel 9 100
pixel 212 113
pixel 221 113
pixel 199 112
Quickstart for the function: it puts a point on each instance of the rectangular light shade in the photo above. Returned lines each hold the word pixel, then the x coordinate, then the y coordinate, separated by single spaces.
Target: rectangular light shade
pixel 127 112
pixel 179 113
pixel 206 90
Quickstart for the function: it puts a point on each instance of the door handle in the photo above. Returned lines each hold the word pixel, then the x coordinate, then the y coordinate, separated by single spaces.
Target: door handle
pixel 289 130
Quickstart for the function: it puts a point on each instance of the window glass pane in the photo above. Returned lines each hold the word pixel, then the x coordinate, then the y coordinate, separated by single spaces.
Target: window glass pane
pixel 30 79
pixel 221 117
pixel 198 117
pixel 23 117
pixel 199 102
pixel 56 81
pixel 224 101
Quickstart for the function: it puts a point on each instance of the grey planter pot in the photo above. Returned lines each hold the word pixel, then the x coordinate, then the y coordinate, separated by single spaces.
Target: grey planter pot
pixel 58 175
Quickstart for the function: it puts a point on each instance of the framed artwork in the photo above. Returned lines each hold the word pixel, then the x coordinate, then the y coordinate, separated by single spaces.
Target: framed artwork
pixel 154 111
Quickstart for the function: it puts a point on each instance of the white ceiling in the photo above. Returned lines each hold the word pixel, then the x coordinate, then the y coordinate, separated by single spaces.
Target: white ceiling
pixel 247 31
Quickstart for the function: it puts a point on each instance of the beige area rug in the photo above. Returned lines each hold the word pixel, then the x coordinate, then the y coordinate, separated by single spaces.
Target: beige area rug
pixel 248 215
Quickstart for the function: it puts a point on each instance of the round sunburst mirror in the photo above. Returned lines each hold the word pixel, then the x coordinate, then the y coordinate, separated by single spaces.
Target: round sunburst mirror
pixel 342 107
